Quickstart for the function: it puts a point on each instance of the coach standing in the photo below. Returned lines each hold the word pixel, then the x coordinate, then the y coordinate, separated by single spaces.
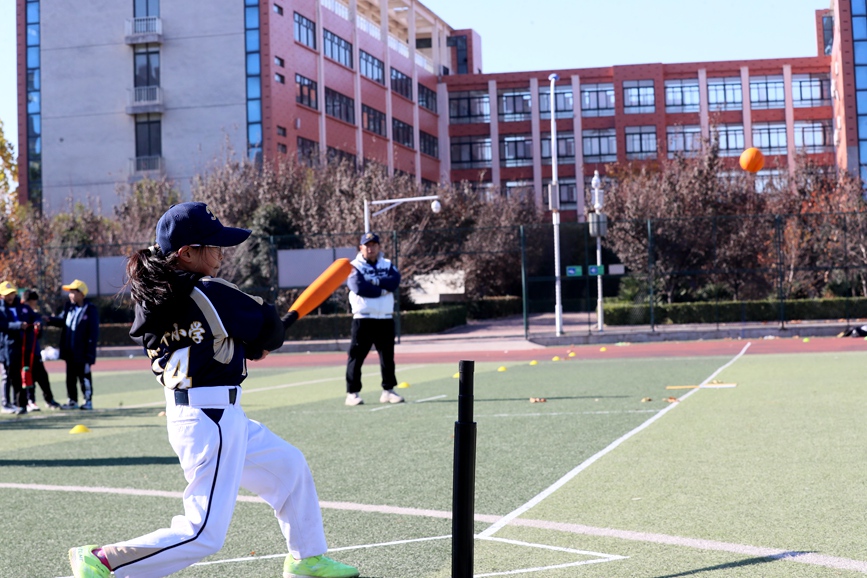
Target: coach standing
pixel 79 325
pixel 372 284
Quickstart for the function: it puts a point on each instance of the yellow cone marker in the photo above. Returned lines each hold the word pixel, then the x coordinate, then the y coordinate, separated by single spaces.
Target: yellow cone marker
pixel 555 358
pixel 456 376
pixel 534 362
pixel 502 368
pixel 79 429
pixel 402 385
pixel 806 340
pixel 603 349
pixel 571 354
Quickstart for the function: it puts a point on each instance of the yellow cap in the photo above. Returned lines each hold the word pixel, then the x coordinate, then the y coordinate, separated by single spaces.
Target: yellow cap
pixel 77 285
pixel 6 288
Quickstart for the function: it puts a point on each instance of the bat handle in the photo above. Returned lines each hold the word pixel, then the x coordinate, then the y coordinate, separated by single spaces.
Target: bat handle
pixel 289 319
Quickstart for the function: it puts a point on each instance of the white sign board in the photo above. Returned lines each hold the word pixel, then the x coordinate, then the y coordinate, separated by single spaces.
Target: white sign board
pixel 300 267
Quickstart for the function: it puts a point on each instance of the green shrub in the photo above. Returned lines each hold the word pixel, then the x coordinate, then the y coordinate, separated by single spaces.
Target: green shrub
pixel 492 307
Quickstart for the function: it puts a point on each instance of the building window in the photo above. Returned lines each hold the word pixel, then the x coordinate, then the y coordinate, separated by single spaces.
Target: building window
pixel 401 84
pixel 305 91
pixel 562 102
pixel 339 106
pixel 681 95
pixel 599 146
pixel 308 152
pixel 515 105
pixel 337 49
pixel 767 92
pixel 429 144
pixel 373 120
pixel 254 80
pixel 281 130
pixel 279 62
pixel 279 78
pixel 568 192
pixel 815 89
pixel 516 150
pixel 305 31
pixel 565 148
pixel 278 10
pixel 371 67
pixel 469 107
pixel 597 100
pixel 339 157
pixel 281 148
pixel 34 116
pixel 731 139
pixel 148 137
pixel 770 137
pixel 828 34
pixel 725 93
pixel 146 8
pixel 517 189
pixel 427 98
pixel 638 96
pixel 682 140
pixel 640 142
pixel 146 61
pixel 470 152
pixel 401 133
pixel 814 136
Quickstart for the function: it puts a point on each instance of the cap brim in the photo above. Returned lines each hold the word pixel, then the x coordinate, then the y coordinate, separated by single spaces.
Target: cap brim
pixel 228 237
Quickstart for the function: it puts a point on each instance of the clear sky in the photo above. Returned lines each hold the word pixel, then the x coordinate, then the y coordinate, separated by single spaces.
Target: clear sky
pixel 559 34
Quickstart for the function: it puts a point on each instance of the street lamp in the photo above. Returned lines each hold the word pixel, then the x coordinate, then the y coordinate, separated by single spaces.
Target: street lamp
pixel 598 229
pixel 554 205
pixel 435 206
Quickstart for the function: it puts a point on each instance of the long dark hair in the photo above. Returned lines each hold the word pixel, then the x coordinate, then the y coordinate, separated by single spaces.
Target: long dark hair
pixel 149 272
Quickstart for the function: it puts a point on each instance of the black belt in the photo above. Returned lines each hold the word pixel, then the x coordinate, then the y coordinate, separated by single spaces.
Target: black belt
pixel 182 396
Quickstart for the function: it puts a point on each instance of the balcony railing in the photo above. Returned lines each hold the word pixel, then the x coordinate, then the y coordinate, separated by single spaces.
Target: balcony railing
pixel 338 8
pixel 369 27
pixel 149 164
pixel 145 99
pixel 144 30
pixel 424 62
pixel 398 45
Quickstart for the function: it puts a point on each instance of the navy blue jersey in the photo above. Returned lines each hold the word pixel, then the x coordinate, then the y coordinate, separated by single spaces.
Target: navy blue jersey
pixel 204 339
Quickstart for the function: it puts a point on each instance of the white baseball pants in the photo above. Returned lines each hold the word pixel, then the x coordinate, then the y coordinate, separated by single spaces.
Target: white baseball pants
pixel 219 454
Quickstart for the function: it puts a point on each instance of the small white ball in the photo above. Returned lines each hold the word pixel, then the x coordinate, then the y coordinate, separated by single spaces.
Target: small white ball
pixel 436 206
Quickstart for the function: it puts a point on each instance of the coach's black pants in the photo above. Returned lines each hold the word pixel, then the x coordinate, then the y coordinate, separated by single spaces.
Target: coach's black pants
pixel 367 333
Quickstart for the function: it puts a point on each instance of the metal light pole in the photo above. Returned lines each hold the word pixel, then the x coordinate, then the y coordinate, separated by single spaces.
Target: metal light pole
pixel 554 205
pixel 598 229
pixel 435 206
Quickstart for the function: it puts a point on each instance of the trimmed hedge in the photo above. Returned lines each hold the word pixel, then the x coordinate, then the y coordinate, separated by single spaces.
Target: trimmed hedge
pixel 735 311
pixel 492 307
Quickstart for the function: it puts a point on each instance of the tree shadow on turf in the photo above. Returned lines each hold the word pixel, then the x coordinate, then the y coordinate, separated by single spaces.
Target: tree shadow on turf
pixel 739 564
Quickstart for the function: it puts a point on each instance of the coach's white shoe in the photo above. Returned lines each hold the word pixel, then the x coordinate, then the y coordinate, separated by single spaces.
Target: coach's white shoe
pixel 354 399
pixel 388 396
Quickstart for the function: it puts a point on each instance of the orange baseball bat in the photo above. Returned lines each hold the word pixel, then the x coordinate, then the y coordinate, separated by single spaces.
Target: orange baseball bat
pixel 318 291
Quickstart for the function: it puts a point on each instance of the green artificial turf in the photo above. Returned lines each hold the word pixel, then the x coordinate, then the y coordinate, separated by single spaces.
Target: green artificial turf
pixel 775 462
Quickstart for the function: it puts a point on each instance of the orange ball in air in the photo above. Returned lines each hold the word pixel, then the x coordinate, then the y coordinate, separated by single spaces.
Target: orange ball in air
pixel 752 160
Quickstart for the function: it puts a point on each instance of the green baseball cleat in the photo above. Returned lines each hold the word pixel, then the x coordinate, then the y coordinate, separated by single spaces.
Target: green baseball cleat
pixel 85 564
pixel 317 566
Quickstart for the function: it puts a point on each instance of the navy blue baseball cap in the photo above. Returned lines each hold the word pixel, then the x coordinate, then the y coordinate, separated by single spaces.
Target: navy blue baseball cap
pixel 195 224
pixel 369 237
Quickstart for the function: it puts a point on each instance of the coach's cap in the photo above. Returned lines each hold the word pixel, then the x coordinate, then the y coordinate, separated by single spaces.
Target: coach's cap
pixel 6 288
pixel 77 285
pixel 369 237
pixel 195 224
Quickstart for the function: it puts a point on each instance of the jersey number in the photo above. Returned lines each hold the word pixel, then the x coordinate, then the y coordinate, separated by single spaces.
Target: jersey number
pixel 176 373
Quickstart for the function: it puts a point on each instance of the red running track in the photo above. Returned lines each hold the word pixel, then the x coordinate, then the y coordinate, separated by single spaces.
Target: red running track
pixel 464 350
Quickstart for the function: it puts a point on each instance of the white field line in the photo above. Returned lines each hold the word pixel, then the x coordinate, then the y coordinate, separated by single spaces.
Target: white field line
pixel 416 401
pixel 646 537
pixel 493 529
pixel 273 387
pixel 599 558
